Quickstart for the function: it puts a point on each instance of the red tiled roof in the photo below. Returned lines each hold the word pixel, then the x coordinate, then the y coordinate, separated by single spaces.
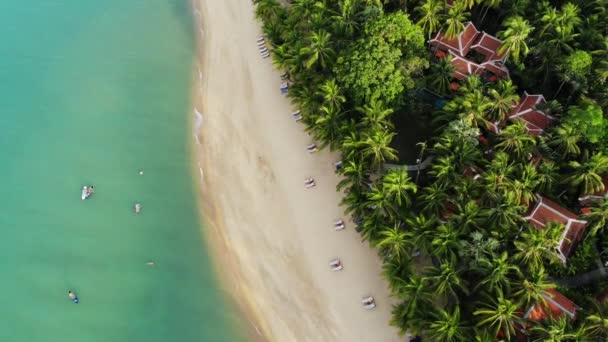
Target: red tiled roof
pixel 488 46
pixel 460 45
pixel 535 120
pixel 463 67
pixel 556 304
pixel 545 211
pixel 497 68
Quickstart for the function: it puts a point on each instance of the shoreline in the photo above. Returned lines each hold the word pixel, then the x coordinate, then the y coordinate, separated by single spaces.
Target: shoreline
pixel 269 253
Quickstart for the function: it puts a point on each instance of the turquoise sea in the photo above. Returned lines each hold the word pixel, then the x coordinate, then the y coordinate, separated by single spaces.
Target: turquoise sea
pixel 91 92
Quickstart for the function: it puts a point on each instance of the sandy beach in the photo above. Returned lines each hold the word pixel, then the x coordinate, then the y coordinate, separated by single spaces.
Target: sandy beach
pixel 272 238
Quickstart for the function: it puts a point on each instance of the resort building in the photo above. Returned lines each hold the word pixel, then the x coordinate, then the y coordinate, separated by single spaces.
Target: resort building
pixel 545 211
pixel 472 52
pixel 535 120
pixel 556 305
pixel 596 197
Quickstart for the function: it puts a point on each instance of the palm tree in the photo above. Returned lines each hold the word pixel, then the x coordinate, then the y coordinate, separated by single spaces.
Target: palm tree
pixel 355 175
pixel 431 13
pixel 441 74
pixel 565 138
pixel 475 107
pixel 533 288
pixel 398 187
pixel 588 175
pixel 444 170
pixel 523 186
pixel 488 4
pixel 548 172
pixel 499 273
pixel 434 198
pixel 396 272
pixel 376 115
pixel 393 242
pixel 505 212
pixel 514 37
pixel 553 330
pixel 446 242
pixel 417 297
pixel 327 127
pixel 503 96
pixel 515 140
pixel 454 21
pixel 468 216
pixel 268 10
pixel 598 322
pixel 422 229
pixel 347 20
pixel 319 51
pixel 447 326
pixel 375 147
pixel 536 245
pixel 499 314
pixel 447 280
pixel 597 218
pixel 332 96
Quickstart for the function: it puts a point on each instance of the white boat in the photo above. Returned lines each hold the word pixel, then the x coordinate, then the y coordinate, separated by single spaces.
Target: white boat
pixel 137 208
pixel 85 193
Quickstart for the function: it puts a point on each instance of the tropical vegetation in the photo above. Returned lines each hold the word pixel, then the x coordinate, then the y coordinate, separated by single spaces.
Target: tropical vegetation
pixel 458 253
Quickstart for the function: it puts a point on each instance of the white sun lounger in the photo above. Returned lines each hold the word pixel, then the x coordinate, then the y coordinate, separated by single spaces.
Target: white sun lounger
pixel 309 183
pixel 284 85
pixel 368 302
pixel 312 148
pixel 264 50
pixel 265 55
pixel 262 43
pixel 336 265
pixel 260 39
pixel 339 224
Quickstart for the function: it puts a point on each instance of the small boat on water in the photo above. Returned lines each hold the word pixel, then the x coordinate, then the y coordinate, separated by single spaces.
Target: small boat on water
pixel 87 191
pixel 73 297
pixel 137 208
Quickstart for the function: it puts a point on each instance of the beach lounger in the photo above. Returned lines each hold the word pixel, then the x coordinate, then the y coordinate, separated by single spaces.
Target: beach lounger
pixel 339 224
pixel 368 302
pixel 262 43
pixel 312 148
pixel 336 265
pixel 309 183
pixel 284 91
pixel 338 165
pixel 263 50
pixel 260 39
pixel 265 55
pixel 284 85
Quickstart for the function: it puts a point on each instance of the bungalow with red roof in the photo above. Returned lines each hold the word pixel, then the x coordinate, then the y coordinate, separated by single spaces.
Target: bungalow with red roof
pixel 556 305
pixel 460 47
pixel 535 120
pixel 597 196
pixel 545 211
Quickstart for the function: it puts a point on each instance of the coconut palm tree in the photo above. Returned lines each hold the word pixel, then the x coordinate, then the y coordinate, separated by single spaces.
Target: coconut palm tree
pixel 431 13
pixel 505 211
pixel 327 127
pixel 565 138
pixel 319 50
pixel 475 108
pixel 441 74
pixel 331 94
pixel 499 273
pixel 597 218
pixel 498 314
pixel 446 242
pixel 375 147
pixel 454 20
pixel 515 140
pixel 396 271
pixel 268 10
pixel 597 323
pixel 447 326
pixel 503 97
pixel 468 216
pixel 588 175
pixel 376 115
pixel 446 280
pixel 536 245
pixel 393 242
pixel 355 175
pixel 444 170
pixel 434 198
pixel 398 187
pixel 547 175
pixel 514 37
pixel 348 17
pixel 283 59
pixel 553 330
pixel 533 288
pixel 421 231
pixel 417 297
pixel 523 186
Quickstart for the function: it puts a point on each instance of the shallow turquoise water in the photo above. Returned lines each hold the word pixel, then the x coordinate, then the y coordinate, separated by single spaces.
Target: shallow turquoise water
pixel 91 92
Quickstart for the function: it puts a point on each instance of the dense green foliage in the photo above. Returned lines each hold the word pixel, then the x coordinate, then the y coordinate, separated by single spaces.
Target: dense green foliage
pixel 355 64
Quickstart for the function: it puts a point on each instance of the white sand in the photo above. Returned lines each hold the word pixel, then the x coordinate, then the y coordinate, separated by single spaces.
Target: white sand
pixel 274 238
